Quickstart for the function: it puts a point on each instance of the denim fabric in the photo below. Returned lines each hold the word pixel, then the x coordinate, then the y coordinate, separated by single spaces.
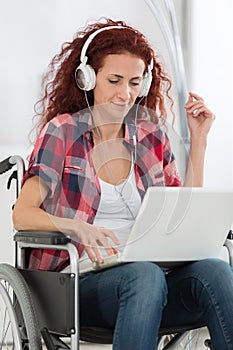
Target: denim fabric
pixel 136 298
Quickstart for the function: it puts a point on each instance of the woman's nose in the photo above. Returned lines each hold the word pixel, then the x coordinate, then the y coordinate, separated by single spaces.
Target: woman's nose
pixel 124 91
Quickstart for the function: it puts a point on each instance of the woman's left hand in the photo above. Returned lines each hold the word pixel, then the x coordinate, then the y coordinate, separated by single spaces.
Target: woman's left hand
pixel 200 118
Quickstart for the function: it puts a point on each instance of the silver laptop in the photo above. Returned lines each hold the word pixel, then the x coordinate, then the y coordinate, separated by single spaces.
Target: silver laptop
pixel 175 225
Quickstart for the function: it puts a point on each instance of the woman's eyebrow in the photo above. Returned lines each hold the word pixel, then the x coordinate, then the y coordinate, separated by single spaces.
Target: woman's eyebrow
pixel 120 76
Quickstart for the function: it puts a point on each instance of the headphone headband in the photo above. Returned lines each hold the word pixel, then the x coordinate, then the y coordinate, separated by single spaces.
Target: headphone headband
pixel 92 36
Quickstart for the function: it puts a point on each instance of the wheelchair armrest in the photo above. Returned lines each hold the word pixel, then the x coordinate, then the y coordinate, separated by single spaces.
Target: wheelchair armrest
pixel 229 245
pixel 42 237
pixel 230 235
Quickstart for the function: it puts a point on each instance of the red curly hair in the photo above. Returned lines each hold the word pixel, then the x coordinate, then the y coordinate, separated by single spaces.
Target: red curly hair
pixel 61 94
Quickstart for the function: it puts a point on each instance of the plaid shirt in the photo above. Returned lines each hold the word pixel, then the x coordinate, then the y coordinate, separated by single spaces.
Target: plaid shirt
pixel 62 158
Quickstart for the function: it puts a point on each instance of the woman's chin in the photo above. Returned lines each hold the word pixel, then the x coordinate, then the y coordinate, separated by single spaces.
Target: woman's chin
pixel 113 111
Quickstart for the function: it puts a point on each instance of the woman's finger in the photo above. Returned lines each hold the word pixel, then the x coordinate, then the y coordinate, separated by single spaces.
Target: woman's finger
pixel 97 254
pixel 196 96
pixel 104 242
pixel 193 107
pixel 89 252
pixel 199 112
pixel 113 237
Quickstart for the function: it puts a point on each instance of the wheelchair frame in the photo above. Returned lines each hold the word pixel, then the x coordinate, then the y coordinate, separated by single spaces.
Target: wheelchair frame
pixel 47 289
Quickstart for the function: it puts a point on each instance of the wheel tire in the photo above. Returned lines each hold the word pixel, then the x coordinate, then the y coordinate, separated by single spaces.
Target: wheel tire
pixel 17 316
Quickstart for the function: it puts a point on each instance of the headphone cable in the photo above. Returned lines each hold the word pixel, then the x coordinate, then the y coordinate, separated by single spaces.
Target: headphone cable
pixel 104 155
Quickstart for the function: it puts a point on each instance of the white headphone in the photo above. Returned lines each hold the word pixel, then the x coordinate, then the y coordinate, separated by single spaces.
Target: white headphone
pixel 85 76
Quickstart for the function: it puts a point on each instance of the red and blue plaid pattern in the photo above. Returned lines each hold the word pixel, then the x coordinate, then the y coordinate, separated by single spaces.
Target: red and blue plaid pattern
pixel 62 158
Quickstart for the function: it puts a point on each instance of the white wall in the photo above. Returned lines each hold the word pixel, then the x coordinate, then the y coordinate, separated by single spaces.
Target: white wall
pixel 31 32
pixel 212 76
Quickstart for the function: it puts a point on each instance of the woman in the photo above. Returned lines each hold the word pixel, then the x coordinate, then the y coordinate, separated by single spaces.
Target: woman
pixel 101 145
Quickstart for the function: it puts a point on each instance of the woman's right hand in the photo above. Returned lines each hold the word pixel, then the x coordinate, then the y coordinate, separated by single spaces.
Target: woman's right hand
pixel 92 237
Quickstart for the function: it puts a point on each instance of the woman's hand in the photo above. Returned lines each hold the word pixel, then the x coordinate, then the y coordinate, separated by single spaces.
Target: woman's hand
pixel 92 237
pixel 200 118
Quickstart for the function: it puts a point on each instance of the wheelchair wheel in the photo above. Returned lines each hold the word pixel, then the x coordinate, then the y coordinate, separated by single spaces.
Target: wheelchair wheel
pixel 18 326
pixel 191 340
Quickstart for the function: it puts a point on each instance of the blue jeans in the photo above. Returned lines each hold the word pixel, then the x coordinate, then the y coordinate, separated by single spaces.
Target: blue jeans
pixel 135 299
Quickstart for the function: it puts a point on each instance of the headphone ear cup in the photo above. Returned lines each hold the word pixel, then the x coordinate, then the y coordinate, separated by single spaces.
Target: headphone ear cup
pixel 146 83
pixel 85 77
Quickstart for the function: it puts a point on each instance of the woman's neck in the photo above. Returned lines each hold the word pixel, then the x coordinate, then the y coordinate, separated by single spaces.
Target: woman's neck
pixel 109 131
pixel 106 127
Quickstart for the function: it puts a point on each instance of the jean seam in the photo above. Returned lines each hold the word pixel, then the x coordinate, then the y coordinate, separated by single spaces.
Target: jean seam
pixel 119 316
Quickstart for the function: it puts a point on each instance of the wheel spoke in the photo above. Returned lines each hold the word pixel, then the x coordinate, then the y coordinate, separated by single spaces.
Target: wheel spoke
pixel 4 336
pixel 18 325
pixel 9 325
pixel 189 340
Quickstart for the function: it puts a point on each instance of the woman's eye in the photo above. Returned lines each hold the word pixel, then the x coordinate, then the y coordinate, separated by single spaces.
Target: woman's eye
pixel 113 81
pixel 133 83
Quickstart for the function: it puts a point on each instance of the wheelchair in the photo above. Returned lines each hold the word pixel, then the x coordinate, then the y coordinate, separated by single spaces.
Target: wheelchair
pixel 41 308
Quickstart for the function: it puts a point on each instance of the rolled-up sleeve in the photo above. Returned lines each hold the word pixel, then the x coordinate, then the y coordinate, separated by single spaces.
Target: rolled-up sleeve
pixel 47 158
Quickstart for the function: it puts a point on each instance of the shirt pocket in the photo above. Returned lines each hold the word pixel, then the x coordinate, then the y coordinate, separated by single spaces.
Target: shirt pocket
pixel 74 165
pixel 73 171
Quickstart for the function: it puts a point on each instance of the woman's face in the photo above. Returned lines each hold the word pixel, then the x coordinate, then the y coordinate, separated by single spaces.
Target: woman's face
pixel 118 83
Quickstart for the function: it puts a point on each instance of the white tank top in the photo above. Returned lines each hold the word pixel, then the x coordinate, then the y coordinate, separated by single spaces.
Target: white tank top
pixel 113 213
